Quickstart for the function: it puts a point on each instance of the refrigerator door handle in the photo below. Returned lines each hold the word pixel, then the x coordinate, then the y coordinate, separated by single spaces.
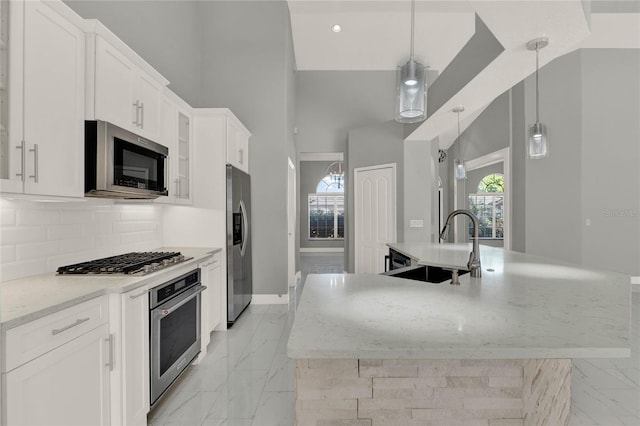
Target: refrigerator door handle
pixel 245 225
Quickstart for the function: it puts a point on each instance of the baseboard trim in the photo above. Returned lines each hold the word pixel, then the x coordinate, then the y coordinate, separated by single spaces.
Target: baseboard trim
pixel 270 299
pixel 322 250
pixel 635 284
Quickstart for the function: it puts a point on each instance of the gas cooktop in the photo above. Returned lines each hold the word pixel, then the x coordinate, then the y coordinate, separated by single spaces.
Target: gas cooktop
pixel 134 263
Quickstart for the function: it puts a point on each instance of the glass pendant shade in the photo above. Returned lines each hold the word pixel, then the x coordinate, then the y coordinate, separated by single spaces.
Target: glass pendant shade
pixel 411 90
pixel 460 171
pixel 538 141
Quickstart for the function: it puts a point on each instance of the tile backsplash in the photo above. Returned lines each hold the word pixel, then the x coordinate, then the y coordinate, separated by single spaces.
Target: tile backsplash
pixel 38 237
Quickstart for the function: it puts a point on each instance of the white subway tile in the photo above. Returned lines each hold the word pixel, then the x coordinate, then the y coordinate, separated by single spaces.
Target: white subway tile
pixel 106 242
pixel 76 244
pixel 20 235
pixel 137 238
pixel 146 226
pixel 7 254
pixel 30 214
pixel 7 217
pixel 15 270
pixel 37 250
pixel 62 232
pixel 77 217
pixel 140 213
pixel 123 227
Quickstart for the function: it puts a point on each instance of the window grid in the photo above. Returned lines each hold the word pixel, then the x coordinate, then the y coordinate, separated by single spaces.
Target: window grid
pixel 326 216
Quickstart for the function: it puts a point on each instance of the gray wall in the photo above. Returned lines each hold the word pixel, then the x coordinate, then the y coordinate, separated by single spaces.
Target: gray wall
pixel 420 190
pixel 310 174
pixel 370 146
pixel 481 49
pixel 552 188
pixel 518 169
pixel 331 103
pixel 165 33
pixel 610 172
pixel 590 101
pixel 247 67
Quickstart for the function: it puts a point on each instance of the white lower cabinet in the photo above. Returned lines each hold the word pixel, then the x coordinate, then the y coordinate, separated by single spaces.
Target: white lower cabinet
pixel 130 378
pixel 66 386
pixel 212 298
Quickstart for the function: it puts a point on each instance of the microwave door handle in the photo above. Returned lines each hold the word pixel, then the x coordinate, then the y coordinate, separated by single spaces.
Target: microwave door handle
pixel 245 227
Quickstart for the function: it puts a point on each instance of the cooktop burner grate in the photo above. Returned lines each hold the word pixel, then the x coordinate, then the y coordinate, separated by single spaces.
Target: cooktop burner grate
pixel 129 263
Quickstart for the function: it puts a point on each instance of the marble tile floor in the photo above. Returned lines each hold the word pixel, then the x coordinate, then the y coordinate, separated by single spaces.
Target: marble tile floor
pixel 246 378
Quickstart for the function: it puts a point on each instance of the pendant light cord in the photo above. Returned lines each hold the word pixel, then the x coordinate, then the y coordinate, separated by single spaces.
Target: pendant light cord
pixel 460 140
pixel 413 18
pixel 537 90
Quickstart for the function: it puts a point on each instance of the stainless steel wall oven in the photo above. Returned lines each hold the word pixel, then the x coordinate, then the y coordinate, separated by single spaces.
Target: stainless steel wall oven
pixel 174 322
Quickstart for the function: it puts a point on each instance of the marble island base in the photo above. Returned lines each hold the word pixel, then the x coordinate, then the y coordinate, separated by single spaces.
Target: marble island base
pixel 359 392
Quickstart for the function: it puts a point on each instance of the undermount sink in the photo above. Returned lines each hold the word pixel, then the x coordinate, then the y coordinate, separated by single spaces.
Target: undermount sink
pixel 430 274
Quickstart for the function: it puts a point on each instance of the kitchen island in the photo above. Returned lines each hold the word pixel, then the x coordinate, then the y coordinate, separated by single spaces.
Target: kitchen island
pixel 496 350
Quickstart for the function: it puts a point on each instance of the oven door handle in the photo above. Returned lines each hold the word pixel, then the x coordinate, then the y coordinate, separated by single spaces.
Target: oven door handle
pixel 172 305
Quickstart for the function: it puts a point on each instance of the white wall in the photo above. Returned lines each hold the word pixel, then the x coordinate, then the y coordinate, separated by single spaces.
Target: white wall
pixel 39 237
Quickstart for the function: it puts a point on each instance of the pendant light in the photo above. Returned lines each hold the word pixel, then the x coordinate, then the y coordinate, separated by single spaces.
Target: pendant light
pixel 538 141
pixel 411 87
pixel 459 171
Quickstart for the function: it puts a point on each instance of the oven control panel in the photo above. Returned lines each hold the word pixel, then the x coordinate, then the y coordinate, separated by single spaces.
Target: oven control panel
pixel 168 290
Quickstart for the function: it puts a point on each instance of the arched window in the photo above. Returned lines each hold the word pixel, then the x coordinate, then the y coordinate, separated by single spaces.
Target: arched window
pixel 326 206
pixel 488 205
pixel 331 183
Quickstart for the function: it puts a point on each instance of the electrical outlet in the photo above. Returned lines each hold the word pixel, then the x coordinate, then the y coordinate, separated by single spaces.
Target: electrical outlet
pixel 587 222
pixel 415 223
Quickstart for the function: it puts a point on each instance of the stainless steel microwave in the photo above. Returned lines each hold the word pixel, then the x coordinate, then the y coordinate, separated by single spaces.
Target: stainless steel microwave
pixel 121 164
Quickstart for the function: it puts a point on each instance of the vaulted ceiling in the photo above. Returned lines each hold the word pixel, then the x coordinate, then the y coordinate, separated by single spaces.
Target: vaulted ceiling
pixel 376 36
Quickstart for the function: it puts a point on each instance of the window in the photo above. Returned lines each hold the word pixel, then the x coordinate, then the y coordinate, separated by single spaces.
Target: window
pixel 326 209
pixel 488 205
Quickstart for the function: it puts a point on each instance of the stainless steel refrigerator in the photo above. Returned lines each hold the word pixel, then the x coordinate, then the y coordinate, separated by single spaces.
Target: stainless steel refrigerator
pixel 239 284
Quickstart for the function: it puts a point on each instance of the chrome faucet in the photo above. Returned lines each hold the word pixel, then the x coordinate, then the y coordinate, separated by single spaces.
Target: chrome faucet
pixel 474 257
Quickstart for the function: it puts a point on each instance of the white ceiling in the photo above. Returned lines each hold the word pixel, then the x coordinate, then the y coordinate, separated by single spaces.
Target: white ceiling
pixel 376 36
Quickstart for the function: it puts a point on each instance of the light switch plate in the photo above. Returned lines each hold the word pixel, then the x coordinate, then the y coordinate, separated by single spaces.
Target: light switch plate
pixel 415 223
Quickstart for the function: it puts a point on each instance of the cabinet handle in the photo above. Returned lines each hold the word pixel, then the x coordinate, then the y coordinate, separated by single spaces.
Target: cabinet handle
pixel 136 105
pixel 35 163
pixel 65 328
pixel 178 188
pixel 135 296
pixel 109 341
pixel 141 115
pixel 22 160
pixel 240 156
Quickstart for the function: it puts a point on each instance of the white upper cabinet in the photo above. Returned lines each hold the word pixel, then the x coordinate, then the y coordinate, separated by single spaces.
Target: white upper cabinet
pixel 219 138
pixel 43 148
pixel 121 87
pixel 237 143
pixel 176 133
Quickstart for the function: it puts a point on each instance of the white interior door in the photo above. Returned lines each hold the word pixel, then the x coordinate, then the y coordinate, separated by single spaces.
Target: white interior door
pixel 291 222
pixel 375 215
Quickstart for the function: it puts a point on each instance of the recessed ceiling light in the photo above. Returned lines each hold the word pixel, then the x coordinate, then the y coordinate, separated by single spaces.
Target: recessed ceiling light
pixel 336 28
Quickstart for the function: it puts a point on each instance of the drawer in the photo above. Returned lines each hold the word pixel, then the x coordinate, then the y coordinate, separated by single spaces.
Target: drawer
pixel 213 260
pixel 30 340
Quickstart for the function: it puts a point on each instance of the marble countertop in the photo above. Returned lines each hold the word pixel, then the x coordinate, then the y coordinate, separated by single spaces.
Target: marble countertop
pixel 26 299
pixel 527 307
